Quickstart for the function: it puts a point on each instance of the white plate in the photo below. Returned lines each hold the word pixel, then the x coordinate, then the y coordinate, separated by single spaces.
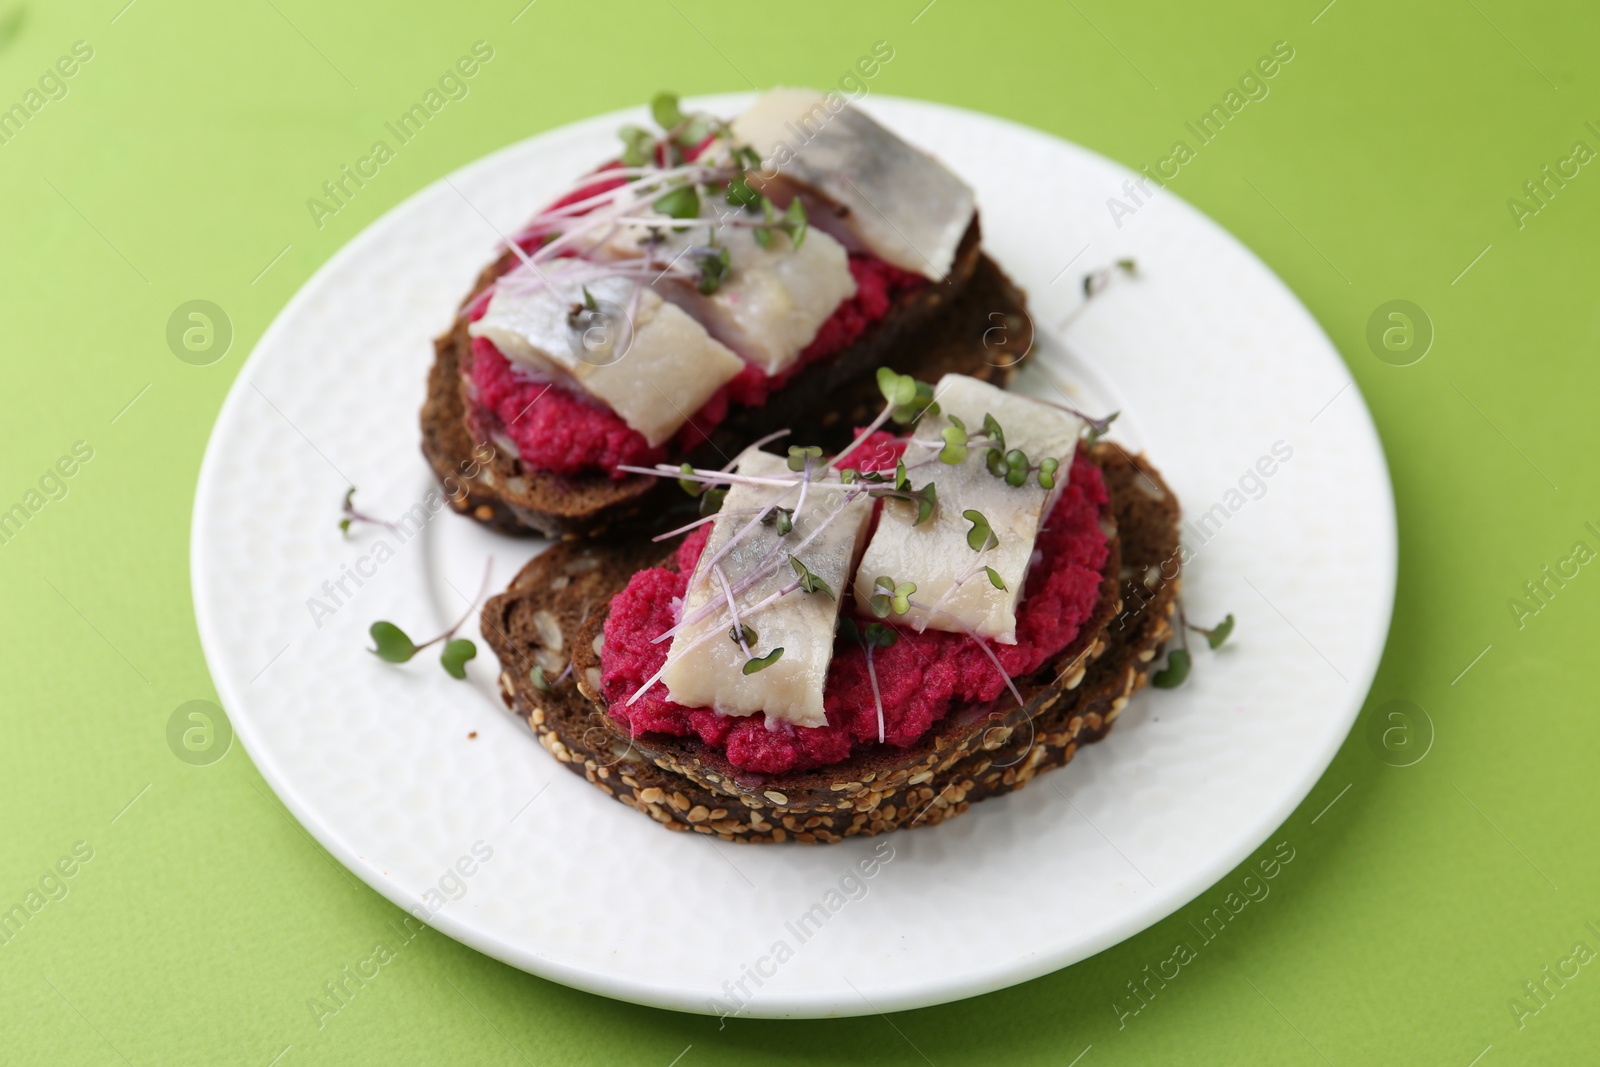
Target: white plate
pixel 1212 361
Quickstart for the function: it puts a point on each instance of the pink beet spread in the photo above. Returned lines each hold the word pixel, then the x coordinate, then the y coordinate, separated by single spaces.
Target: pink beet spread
pixel 561 431
pixel 920 677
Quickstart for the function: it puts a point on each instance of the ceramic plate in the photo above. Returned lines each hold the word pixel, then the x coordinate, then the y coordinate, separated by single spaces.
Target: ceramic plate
pixel 410 778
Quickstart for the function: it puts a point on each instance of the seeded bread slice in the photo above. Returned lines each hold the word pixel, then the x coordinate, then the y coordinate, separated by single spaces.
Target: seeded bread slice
pixel 556 606
pixel 975 323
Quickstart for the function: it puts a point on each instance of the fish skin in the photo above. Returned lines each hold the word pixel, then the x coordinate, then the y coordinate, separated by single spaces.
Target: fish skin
pixel 903 205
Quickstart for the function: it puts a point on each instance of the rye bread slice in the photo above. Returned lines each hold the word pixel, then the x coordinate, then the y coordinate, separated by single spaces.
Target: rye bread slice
pixel 555 607
pixel 949 326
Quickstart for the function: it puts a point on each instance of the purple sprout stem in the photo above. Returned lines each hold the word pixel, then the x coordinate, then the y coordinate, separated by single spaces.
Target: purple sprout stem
pixel 877 697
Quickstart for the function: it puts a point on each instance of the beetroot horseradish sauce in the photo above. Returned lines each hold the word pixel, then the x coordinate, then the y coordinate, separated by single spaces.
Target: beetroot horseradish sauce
pixel 558 430
pixel 920 677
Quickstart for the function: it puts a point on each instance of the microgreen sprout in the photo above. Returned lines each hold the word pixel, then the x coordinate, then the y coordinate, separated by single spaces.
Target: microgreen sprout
pixel 1016 467
pixel 739 194
pixel 809 582
pixel 714 268
pixel 392 645
pixel 1047 472
pixel 781 518
pixel 665 110
pixel 638 146
pixel 1179 660
pixel 688 482
pixel 981 536
pixel 540 682
pixel 711 501
pixel 1095 281
pixel 926 498
pixel 1173 674
pixel 799 457
pixel 761 663
pixel 874 635
pixel 351 515
pixel 681 203
pixel 791 221
pixel 1216 635
pixel 742 634
pixel 955 443
pixel 995 579
pixel 908 398
pixel 895 596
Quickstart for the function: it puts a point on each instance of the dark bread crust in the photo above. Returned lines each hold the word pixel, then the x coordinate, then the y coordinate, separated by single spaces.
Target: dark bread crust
pixel 555 607
pixel 949 326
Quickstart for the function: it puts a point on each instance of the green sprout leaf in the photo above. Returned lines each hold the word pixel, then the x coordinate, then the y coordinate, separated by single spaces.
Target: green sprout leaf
pixel 743 630
pixel 873 635
pixel 344 527
pixel 809 582
pixel 638 146
pixel 681 203
pixel 927 498
pixel 1016 467
pixel 714 269
pixel 697 130
pixel 1098 428
pixel 981 536
pixel 798 456
pixel 847 475
pixel 896 597
pixel 456 652
pixel 781 518
pixel 897 389
pixel 995 579
pixel 1218 633
pixel 1047 472
pixel 795 222
pixel 664 109
pixel 1127 266
pixel 393 646
pixel 901 480
pixel 761 663
pixel 688 482
pixel 1176 670
pixel 740 194
pixel 877 635
pixel 711 501
pixel 537 678
pixel 955 445
pixel 992 430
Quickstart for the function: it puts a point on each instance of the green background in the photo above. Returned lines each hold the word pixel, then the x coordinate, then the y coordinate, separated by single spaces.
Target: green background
pixel 178 167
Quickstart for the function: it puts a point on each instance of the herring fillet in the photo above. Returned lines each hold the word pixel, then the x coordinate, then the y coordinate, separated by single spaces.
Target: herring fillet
pixel 774 299
pixel 710 673
pixel 669 370
pixel 905 206
pixel 935 555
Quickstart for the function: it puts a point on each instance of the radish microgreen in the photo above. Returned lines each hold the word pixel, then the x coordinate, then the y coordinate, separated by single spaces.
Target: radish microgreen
pixel 393 645
pixel 895 596
pixel 981 536
pixel 761 663
pixel 809 582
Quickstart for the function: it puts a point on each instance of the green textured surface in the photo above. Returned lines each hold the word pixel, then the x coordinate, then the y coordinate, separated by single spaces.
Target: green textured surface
pixel 177 167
